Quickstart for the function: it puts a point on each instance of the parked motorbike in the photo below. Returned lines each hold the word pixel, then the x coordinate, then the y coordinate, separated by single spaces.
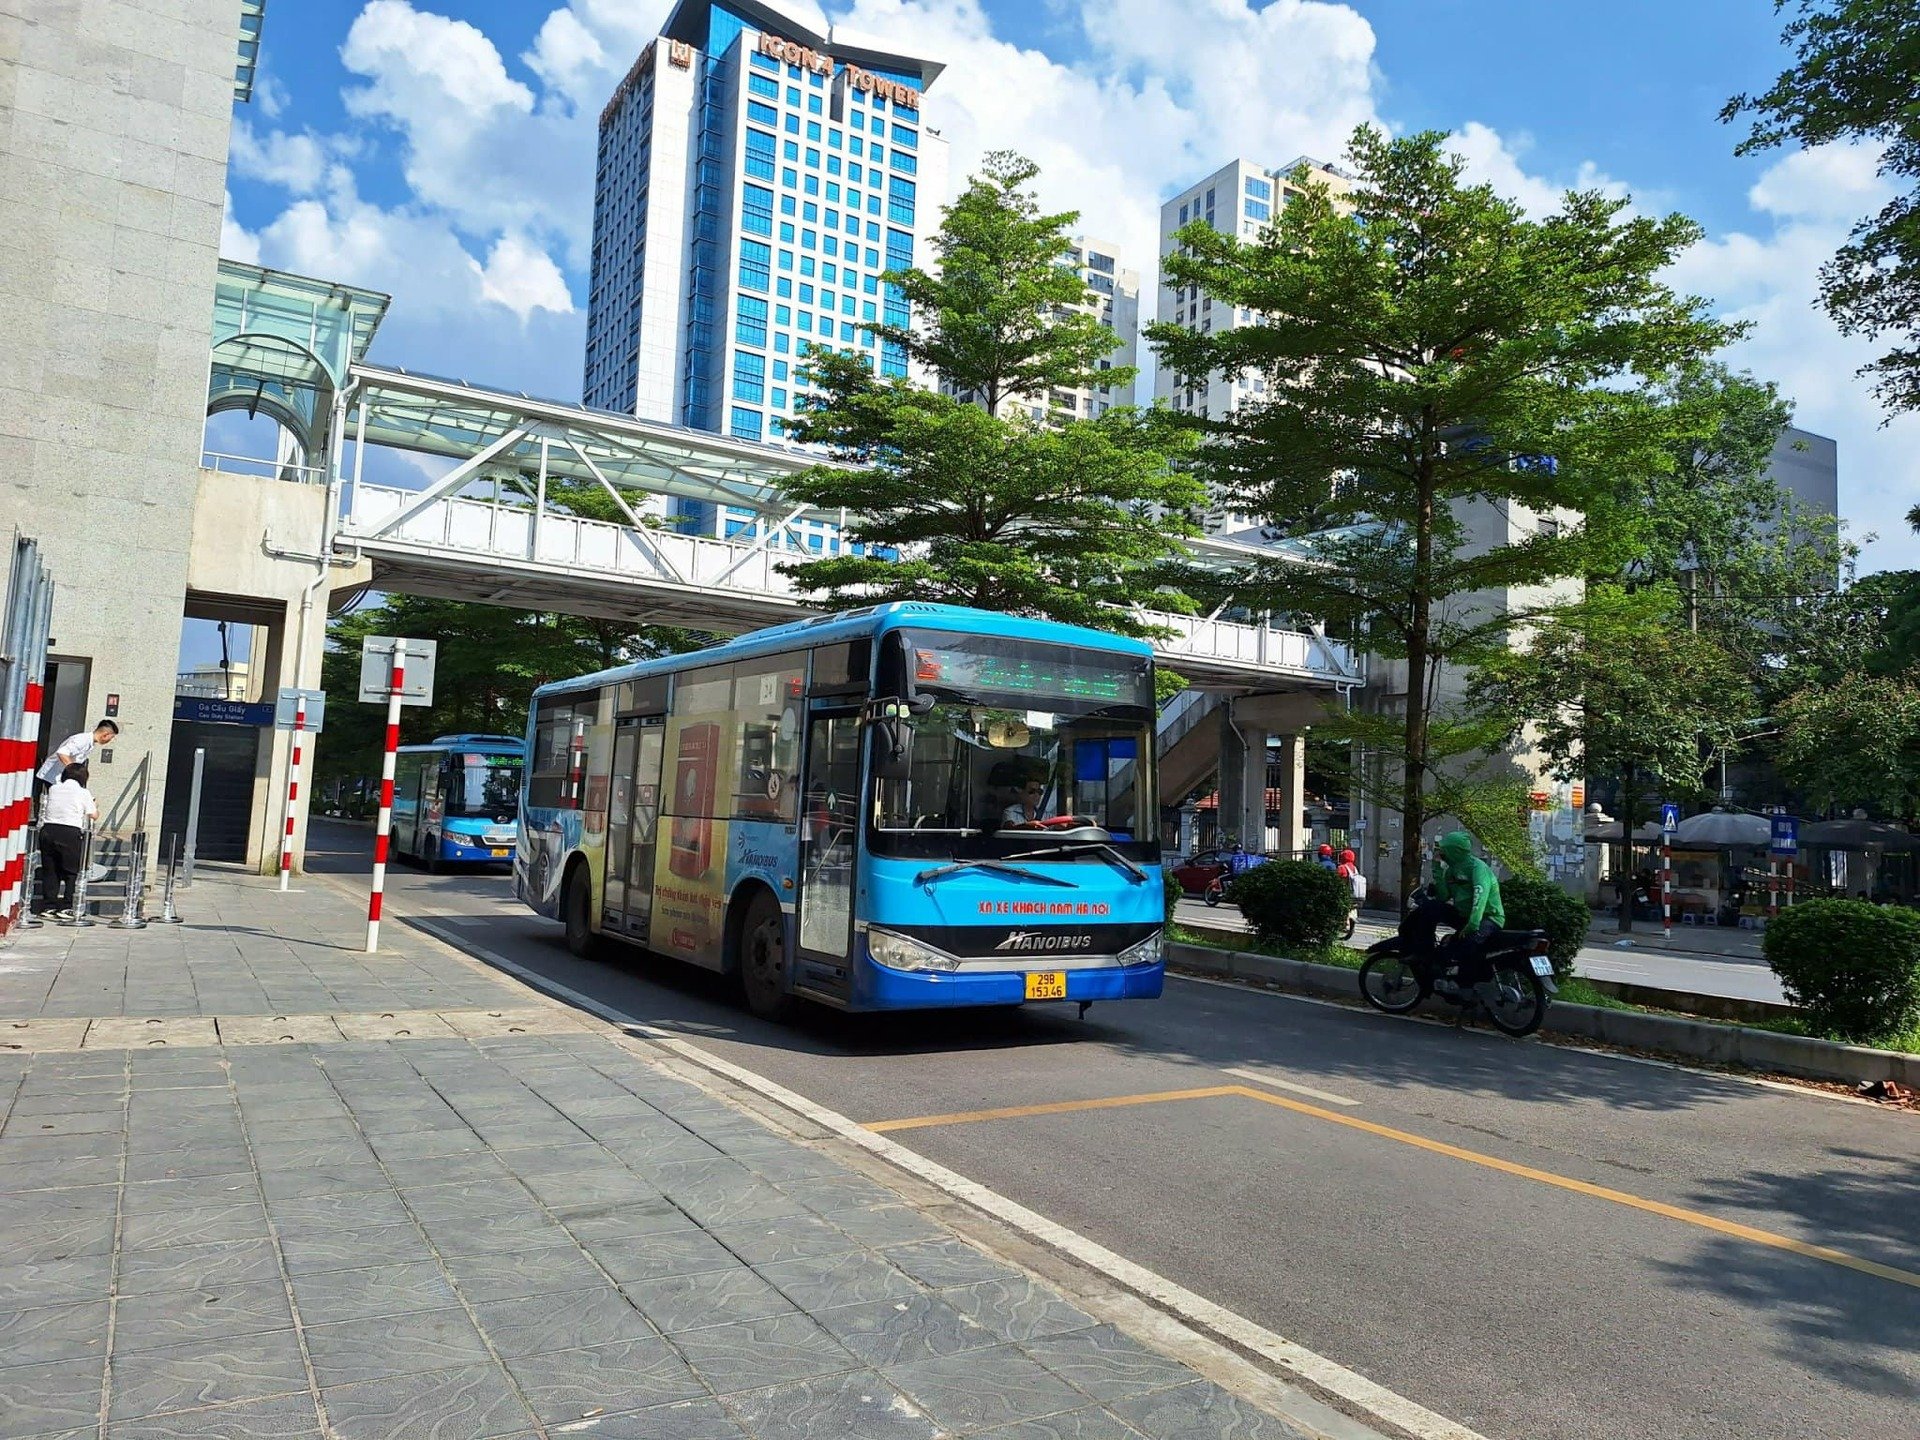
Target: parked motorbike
pixel 1395 978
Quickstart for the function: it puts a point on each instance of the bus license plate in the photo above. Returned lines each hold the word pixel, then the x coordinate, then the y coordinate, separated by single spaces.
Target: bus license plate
pixel 501 854
pixel 1047 985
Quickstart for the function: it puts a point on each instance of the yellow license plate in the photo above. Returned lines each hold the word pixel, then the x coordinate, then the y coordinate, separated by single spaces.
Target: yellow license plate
pixel 502 854
pixel 1047 985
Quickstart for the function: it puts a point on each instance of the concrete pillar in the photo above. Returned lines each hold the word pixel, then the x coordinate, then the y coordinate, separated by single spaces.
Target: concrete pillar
pixel 1288 764
pixel 1243 782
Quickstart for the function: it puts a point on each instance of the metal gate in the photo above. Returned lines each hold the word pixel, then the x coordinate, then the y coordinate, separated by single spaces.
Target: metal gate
pixel 226 787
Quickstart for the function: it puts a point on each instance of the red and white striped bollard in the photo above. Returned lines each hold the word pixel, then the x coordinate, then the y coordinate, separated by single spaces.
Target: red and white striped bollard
pixel 293 788
pixel 385 823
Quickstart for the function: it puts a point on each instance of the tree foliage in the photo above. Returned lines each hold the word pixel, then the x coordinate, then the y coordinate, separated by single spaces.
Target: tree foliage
pixel 963 505
pixel 1856 743
pixel 1437 366
pixel 1619 687
pixel 1855 76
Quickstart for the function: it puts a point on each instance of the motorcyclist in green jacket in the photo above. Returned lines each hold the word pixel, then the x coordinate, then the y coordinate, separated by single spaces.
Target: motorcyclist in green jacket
pixel 1466 895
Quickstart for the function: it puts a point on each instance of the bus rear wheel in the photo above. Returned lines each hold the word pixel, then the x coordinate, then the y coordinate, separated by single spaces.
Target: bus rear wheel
pixel 761 959
pixel 576 901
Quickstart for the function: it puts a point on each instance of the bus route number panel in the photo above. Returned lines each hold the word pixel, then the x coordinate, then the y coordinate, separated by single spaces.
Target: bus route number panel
pixel 1046 985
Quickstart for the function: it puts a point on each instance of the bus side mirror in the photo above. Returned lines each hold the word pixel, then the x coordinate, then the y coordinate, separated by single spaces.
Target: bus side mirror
pixel 892 737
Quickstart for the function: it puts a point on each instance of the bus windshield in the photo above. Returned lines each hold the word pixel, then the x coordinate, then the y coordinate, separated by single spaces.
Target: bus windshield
pixel 483 785
pixel 1027 745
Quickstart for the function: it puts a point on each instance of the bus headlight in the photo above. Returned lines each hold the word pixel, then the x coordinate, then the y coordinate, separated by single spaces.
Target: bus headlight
pixel 899 952
pixel 1147 952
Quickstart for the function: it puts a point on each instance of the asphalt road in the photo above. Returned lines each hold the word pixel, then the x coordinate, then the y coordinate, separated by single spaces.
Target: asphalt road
pixel 1430 1214
pixel 1642 962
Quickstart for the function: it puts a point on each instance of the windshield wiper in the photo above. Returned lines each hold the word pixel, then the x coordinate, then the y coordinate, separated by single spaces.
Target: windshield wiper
pixel 926 877
pixel 1109 852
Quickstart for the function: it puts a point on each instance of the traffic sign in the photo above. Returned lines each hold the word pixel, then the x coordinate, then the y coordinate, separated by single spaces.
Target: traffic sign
pixel 1669 817
pixel 1786 835
pixel 376 671
pixel 288 701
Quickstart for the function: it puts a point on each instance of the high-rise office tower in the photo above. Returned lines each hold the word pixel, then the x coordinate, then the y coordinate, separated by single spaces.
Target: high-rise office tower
pixel 1240 198
pixel 755 180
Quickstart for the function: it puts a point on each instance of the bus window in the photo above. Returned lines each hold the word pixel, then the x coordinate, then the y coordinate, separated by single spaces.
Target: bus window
pixel 548 771
pixel 842 669
pixel 482 785
pixel 767 701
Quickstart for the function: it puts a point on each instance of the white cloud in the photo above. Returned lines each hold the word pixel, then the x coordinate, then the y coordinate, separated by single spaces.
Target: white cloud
pixel 298 163
pixel 268 93
pixel 1831 182
pixel 1494 159
pixel 478 144
pixel 235 242
pixel 1769 278
pixel 524 278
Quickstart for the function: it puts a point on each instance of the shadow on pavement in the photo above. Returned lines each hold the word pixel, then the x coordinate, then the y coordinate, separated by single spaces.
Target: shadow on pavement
pixel 1860 1331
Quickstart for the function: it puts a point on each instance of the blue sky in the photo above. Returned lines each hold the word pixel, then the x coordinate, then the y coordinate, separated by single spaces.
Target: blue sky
pixel 443 151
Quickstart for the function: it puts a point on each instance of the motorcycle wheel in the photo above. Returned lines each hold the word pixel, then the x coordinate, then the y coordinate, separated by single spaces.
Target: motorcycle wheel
pixel 1353 919
pixel 1214 893
pixel 1391 984
pixel 1521 1004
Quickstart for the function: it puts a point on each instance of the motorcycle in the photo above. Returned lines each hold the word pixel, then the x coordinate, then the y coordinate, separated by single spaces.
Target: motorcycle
pixel 1395 978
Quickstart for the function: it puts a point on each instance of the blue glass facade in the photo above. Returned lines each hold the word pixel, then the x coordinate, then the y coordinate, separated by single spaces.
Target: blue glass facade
pixel 800 190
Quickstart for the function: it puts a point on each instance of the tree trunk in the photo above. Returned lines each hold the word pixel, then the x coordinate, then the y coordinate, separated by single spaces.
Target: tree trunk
pixel 1413 792
pixel 1627 825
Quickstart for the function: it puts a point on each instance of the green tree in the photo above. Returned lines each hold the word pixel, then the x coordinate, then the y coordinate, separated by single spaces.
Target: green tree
pixel 1437 365
pixel 1618 687
pixel 1856 743
pixel 1855 76
pixel 1069 521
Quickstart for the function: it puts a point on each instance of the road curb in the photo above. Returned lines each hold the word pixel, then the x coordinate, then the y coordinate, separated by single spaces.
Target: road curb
pixel 1719 1044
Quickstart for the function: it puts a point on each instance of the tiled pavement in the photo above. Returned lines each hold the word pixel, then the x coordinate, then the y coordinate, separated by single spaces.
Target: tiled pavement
pixel 278 1215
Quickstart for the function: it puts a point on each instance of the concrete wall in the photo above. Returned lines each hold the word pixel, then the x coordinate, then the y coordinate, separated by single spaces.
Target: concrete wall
pixel 252 539
pixel 113 146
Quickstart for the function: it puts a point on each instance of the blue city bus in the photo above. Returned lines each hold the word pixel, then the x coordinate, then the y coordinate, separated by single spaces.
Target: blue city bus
pixel 903 806
pixel 455 800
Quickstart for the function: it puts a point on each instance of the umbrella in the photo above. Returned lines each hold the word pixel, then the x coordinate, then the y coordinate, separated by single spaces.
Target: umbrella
pixel 1723 830
pixel 1857 835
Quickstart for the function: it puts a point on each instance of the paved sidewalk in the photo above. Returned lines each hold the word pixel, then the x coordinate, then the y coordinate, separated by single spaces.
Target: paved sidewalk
pixel 256 1184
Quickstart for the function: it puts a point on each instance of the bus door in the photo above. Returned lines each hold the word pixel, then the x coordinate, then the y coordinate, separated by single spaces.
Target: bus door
pixel 829 826
pixel 626 734
pixel 633 822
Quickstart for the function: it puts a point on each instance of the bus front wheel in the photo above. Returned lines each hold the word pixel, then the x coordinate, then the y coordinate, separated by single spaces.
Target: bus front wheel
pixel 576 900
pixel 761 958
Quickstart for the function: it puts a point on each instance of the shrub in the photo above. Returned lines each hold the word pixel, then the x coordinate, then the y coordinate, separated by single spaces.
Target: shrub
pixel 1293 902
pixel 1533 903
pixel 1173 891
pixel 1852 968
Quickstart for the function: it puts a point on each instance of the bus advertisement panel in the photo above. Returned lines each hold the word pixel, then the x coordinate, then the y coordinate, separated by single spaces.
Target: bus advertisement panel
pixel 910 805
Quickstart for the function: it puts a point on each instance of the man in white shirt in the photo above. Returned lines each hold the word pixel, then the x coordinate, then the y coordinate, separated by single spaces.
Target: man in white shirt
pixel 76 749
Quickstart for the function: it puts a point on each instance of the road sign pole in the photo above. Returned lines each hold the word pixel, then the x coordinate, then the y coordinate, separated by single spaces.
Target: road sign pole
pixel 385 824
pixel 293 790
pixel 1666 884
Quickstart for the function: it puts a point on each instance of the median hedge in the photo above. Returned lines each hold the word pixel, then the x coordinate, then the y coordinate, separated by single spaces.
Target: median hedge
pixel 1293 903
pixel 1534 903
pixel 1853 968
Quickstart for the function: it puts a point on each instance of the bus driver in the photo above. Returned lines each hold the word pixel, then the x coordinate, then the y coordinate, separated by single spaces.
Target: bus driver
pixel 1019 791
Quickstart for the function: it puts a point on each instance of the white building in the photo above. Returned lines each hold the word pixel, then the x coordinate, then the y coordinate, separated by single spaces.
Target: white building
pixel 756 178
pixel 1239 198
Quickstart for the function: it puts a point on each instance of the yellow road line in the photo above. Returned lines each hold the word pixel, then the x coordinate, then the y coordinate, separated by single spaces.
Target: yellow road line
pixel 1714 1223
pixel 1730 1228
pixel 1059 1107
